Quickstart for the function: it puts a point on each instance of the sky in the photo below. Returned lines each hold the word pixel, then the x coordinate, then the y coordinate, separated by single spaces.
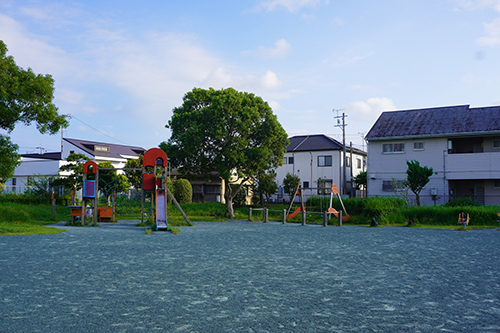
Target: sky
pixel 121 66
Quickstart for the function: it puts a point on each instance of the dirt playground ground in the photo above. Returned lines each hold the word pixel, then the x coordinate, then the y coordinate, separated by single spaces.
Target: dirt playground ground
pixel 251 277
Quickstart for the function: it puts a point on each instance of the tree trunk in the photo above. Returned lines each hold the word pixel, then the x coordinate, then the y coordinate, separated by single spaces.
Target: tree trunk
pixel 417 198
pixel 229 201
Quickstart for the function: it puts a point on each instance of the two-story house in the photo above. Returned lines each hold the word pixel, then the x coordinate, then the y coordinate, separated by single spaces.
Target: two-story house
pixel 460 143
pixel 318 161
pixel 48 164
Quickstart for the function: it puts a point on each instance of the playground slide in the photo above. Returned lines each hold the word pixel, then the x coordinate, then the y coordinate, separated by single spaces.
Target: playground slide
pixel 161 210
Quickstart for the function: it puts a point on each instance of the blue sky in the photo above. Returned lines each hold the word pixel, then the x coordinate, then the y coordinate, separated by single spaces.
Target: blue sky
pixel 120 67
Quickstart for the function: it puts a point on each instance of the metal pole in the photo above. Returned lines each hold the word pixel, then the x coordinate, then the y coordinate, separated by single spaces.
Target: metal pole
pixel 250 214
pixel 340 218
pixel 53 207
pixel 325 219
pixel 266 216
pixel 284 216
pixel 303 217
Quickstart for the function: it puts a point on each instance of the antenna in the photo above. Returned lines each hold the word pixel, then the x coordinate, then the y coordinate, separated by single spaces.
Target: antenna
pixel 68 115
pixel 362 140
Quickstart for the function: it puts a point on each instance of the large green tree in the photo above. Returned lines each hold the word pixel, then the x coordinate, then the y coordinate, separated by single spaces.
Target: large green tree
pixel 25 97
pixel 232 133
pixel 417 177
pixel 9 159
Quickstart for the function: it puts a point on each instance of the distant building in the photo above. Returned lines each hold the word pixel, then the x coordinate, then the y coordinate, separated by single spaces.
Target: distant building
pixel 319 158
pixel 48 164
pixel 461 144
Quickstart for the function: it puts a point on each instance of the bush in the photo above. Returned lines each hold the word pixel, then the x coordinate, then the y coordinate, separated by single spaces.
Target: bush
pixel 461 202
pixel 183 191
pixel 23 198
pixel 380 207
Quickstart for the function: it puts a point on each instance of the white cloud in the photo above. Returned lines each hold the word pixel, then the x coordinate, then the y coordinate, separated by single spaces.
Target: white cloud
pixel 219 78
pixel 371 108
pixel 291 5
pixel 33 51
pixel 492 29
pixel 338 21
pixel 493 34
pixel 475 4
pixel 281 48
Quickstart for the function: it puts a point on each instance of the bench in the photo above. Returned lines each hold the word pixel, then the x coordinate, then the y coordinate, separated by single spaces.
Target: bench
pixel 105 213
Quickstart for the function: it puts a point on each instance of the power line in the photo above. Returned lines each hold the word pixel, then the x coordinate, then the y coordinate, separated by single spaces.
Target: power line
pixel 95 129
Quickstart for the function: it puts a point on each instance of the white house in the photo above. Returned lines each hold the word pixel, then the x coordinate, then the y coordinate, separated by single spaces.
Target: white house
pixel 48 164
pixel 319 157
pixel 460 143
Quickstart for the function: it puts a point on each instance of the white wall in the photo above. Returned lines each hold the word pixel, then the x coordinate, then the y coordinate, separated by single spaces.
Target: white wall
pixel 306 167
pixel 393 165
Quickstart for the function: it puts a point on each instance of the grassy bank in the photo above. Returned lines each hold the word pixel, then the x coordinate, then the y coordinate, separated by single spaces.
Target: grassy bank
pixel 23 219
pixel 18 218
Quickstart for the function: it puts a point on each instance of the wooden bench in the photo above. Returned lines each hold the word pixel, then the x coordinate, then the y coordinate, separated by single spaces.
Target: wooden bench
pixel 105 213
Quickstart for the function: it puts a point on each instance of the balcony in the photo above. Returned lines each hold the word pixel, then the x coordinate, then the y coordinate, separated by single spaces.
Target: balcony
pixel 473 166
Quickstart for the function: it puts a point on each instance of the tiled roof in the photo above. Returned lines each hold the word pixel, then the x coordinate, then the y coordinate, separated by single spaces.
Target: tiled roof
pixel 436 122
pixel 115 151
pixel 315 142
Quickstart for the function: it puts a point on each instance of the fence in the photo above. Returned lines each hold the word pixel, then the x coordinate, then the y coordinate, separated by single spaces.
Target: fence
pixel 265 215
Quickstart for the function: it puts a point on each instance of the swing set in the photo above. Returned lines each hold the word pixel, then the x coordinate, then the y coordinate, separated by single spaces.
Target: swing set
pixel 302 208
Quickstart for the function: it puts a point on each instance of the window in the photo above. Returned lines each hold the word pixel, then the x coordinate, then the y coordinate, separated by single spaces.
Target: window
pixel 285 160
pixel 324 161
pixel 496 184
pixel 290 160
pixel 348 162
pixel 388 185
pixel 496 144
pixel 418 145
pixel 101 148
pixel 388 148
pixel 324 186
pixel 358 163
pixel 305 185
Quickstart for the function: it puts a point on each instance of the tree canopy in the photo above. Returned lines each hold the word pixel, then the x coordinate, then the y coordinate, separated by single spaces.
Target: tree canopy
pixel 225 131
pixel 9 160
pixel 417 177
pixel 25 97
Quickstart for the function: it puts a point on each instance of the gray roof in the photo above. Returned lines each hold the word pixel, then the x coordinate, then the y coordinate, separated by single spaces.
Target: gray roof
pixel 314 142
pixel 460 120
pixel 46 156
pixel 115 151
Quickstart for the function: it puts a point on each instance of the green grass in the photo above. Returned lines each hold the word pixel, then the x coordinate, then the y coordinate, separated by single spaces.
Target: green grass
pixel 23 219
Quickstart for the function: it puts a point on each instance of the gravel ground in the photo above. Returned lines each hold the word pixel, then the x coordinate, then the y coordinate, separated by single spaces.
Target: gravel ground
pixel 251 277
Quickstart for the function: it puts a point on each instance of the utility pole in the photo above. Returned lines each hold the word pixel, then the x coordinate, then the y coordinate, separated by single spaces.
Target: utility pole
pixel 62 135
pixel 342 126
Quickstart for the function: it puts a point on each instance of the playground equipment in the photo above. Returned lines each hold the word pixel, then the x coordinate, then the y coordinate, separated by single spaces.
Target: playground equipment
pixel 90 193
pixel 155 181
pixel 302 208
pixel 333 210
pixel 463 219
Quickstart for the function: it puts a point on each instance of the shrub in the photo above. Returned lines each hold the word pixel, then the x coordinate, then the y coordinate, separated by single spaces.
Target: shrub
pixel 461 202
pixel 183 191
